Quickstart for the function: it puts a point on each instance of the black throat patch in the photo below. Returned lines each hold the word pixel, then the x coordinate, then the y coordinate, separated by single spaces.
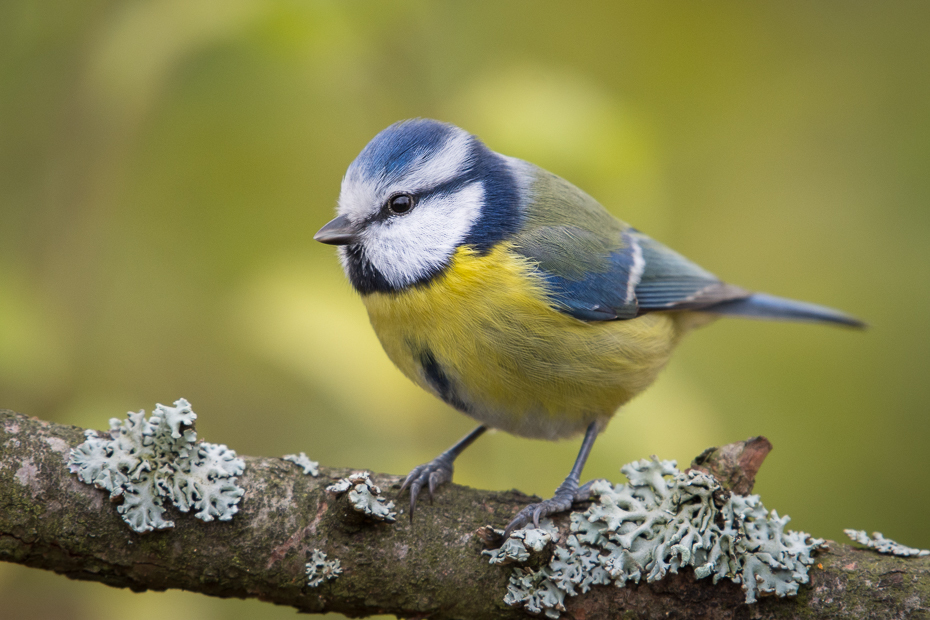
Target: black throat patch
pixel 365 277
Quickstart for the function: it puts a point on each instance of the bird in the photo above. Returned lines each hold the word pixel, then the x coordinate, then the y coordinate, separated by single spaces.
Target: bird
pixel 514 296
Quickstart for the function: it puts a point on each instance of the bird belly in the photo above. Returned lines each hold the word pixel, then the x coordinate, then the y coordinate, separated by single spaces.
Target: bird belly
pixel 483 337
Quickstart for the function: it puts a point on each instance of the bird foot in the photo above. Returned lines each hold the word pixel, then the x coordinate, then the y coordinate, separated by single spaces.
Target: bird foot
pixel 564 498
pixel 583 493
pixel 430 475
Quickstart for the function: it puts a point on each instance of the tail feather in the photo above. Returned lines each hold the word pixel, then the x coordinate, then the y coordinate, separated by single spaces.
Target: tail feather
pixel 762 306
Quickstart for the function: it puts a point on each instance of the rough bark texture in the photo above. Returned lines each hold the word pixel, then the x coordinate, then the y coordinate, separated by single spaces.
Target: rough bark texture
pixel 432 569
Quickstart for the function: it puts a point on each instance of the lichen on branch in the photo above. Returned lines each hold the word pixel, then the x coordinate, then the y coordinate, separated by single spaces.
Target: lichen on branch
pixel 431 568
pixel 661 521
pixel 885 545
pixel 144 461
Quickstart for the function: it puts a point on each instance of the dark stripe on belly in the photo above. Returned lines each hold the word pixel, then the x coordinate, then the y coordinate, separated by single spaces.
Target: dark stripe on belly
pixel 439 381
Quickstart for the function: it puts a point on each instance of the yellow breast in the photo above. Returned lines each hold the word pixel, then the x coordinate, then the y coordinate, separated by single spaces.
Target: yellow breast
pixel 483 336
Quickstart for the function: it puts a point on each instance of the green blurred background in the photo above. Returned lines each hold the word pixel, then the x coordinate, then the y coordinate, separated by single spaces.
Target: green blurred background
pixel 164 165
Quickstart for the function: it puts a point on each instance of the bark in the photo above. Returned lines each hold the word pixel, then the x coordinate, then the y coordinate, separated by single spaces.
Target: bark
pixel 433 568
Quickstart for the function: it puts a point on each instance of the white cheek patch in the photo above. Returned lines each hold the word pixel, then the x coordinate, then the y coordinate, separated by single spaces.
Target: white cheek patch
pixel 410 247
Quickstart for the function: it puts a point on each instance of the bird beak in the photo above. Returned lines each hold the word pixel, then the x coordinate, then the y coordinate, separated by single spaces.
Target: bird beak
pixel 340 231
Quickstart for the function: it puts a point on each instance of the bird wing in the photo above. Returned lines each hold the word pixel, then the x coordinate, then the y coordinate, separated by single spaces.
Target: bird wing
pixel 594 278
pixel 672 282
pixel 598 268
pixel 587 275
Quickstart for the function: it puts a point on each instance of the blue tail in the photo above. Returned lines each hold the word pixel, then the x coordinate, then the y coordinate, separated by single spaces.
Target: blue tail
pixel 762 306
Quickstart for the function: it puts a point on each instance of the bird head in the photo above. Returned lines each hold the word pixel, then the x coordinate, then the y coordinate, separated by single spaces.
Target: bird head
pixel 417 192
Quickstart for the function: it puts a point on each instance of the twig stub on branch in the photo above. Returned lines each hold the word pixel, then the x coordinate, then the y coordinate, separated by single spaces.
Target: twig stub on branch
pixel 734 465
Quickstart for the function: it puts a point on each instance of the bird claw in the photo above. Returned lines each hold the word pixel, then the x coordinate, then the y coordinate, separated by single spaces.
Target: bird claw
pixel 430 475
pixel 534 512
pixel 563 500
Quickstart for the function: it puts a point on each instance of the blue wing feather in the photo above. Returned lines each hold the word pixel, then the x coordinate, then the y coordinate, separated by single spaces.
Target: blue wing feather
pixel 599 269
pixel 672 282
pixel 586 256
pixel 602 295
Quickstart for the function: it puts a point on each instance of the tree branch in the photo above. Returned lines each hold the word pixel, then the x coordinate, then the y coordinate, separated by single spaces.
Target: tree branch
pixel 50 520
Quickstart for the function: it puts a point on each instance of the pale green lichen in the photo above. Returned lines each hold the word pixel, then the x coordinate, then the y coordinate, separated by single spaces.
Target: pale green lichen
pixel 885 545
pixel 311 468
pixel 659 522
pixel 522 543
pixel 320 569
pixel 365 497
pixel 147 460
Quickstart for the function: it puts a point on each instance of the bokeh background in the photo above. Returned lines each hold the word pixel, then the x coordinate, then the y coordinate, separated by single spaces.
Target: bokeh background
pixel 164 165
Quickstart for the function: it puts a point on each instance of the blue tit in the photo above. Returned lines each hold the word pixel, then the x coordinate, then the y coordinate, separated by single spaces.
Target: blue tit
pixel 514 296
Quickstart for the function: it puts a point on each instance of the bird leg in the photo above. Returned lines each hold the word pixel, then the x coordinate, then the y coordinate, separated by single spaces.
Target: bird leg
pixel 437 471
pixel 567 494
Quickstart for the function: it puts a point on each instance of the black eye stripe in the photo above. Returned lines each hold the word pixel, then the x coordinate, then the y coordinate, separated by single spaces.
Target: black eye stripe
pixel 443 189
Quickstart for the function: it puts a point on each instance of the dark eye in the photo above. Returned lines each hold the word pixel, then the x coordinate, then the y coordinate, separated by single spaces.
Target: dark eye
pixel 401 203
